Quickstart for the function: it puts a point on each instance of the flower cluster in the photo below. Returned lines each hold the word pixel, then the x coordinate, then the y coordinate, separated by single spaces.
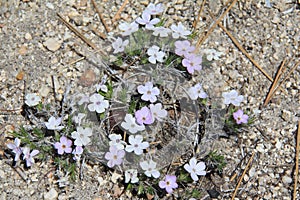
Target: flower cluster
pixel 233 98
pixel 18 151
pixel 71 133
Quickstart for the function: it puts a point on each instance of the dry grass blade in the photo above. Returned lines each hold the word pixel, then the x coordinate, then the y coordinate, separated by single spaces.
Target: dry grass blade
pixel 247 55
pixel 103 36
pixel 242 176
pixel 200 41
pixel 274 83
pixel 100 16
pixel 91 44
pixel 117 15
pixel 199 14
pixel 287 76
pixel 297 163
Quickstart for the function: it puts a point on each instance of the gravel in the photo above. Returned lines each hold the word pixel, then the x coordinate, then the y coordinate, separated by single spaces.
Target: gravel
pixel 36 48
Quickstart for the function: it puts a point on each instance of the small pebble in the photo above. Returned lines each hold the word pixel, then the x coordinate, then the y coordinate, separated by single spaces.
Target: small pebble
pixel 23 50
pixel 51 194
pixel 287 180
pixel 52 44
pixel 88 78
pixel 28 36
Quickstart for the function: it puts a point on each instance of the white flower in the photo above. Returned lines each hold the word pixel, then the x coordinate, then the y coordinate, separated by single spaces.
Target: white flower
pixel 232 97
pixel 119 45
pixel 29 156
pixel 150 168
pixel 136 144
pixel 147 21
pixel 148 92
pixel 83 98
pixel 197 91
pixel 77 119
pixel 161 31
pixel 127 28
pixel 154 9
pixel 116 140
pixel 131 175
pixel 98 103
pixel 155 54
pixel 32 99
pixel 195 169
pixel 157 111
pixel 54 124
pixel 77 152
pixel 81 136
pixel 179 31
pixel 114 156
pixel 15 147
pixel 212 54
pixel 130 124
pixel 101 86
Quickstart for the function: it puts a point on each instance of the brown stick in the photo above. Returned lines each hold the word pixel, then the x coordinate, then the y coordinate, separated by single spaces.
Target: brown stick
pixel 287 76
pixel 199 14
pixel 241 48
pixel 100 16
pixel 103 36
pixel 200 41
pixel 297 163
pixel 274 83
pixel 242 176
pixel 117 15
pixel 82 37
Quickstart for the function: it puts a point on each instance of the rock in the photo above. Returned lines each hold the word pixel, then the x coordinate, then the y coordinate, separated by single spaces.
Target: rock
pixel 286 115
pixel 23 50
pixel 2 174
pixel 88 77
pixel 51 194
pixel 50 6
pixel 287 180
pixel 28 36
pixel 52 44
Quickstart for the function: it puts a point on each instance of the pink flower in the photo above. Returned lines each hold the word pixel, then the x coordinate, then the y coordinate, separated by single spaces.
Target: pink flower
pixel 192 63
pixel 144 116
pixel 114 156
pixel 183 48
pixel 63 146
pixel 240 117
pixel 169 183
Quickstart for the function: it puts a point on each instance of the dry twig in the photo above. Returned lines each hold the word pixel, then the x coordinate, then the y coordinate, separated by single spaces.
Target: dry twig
pixel 241 48
pixel 91 44
pixel 274 83
pixel 101 16
pixel 200 41
pixel 117 15
pixel 286 77
pixel 199 14
pixel 297 163
pixel 242 176
pixel 97 32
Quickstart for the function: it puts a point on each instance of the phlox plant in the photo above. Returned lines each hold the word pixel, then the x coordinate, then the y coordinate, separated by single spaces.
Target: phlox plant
pixel 130 112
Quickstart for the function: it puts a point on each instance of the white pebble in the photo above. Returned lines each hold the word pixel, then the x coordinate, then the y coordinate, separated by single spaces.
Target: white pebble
pixel 52 44
pixel 287 180
pixel 51 194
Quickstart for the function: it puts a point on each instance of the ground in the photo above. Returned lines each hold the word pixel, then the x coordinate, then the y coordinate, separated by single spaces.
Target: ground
pixel 37 49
